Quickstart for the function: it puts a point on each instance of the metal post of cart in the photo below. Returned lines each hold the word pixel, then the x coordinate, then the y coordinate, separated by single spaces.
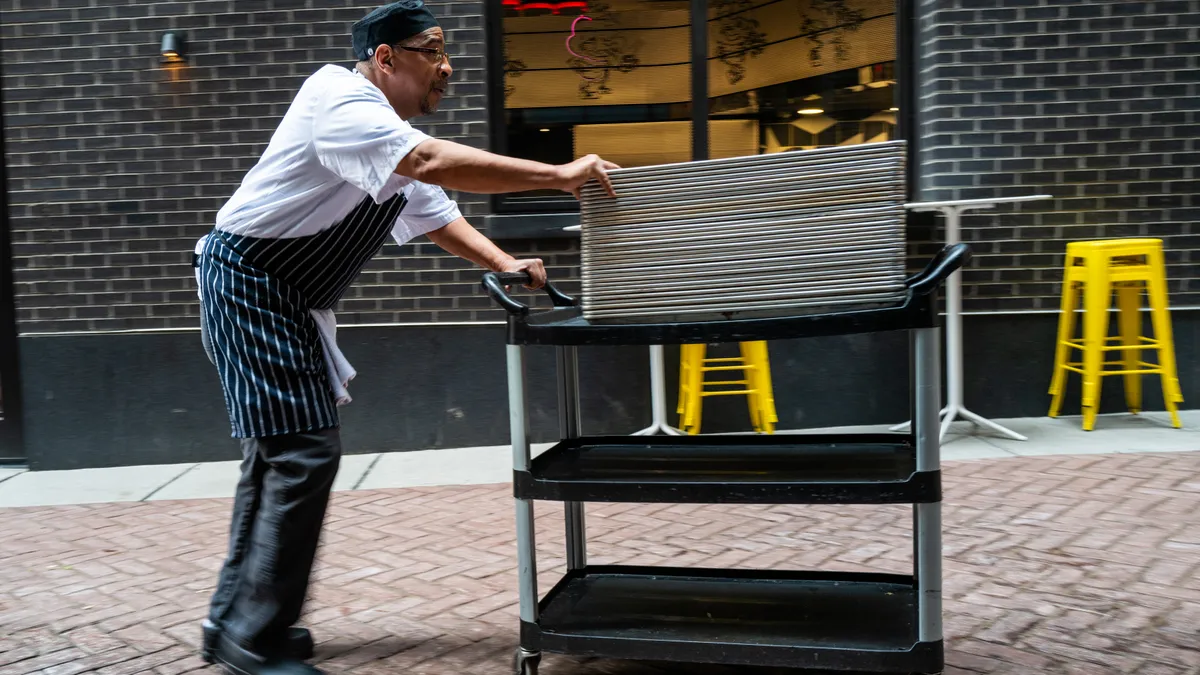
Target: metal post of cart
pixel 927 517
pixel 526 660
pixel 569 426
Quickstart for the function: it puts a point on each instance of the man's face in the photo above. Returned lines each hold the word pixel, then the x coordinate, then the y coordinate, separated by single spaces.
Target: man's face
pixel 416 73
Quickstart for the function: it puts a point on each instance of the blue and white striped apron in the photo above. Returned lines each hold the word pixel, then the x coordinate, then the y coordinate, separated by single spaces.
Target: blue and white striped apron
pixel 257 295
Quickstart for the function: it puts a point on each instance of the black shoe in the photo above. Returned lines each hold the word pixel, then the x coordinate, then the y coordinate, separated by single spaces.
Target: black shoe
pixel 298 645
pixel 238 661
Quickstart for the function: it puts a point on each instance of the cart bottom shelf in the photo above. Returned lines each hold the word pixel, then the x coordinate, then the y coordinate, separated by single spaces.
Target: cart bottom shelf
pixel 837 621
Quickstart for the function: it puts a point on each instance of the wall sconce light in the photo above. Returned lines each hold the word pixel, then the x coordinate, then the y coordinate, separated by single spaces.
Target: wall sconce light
pixel 172 48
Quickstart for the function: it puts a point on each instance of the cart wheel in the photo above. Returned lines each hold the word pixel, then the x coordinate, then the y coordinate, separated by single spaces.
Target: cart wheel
pixel 526 662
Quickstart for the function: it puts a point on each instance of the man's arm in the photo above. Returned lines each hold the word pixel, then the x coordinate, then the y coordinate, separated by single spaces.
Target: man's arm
pixel 460 167
pixel 461 239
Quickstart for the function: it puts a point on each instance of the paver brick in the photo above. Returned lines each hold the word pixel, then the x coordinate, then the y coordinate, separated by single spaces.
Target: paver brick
pixel 1053 565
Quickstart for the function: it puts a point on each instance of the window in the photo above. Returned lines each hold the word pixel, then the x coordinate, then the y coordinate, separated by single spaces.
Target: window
pixel 616 78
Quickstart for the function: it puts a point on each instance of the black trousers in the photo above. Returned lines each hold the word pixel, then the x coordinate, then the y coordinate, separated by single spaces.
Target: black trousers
pixel 277 517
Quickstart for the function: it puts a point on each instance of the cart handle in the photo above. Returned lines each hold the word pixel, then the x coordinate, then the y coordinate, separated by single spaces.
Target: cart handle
pixel 948 261
pixel 494 283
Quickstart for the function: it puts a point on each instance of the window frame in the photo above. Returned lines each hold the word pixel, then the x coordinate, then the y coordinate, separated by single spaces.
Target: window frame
pixel 906 98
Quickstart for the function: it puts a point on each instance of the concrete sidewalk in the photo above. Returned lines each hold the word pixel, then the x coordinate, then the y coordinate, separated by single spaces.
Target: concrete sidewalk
pixel 1150 432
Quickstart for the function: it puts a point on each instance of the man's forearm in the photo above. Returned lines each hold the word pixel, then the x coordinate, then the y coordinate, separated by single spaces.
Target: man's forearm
pixel 461 239
pixel 460 167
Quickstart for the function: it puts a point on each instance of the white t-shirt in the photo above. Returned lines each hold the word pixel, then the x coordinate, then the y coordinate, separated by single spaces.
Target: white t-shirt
pixel 339 142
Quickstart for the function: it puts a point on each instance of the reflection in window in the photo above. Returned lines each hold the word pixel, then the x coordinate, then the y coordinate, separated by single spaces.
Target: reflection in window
pixel 620 88
pixel 783 75
pixel 800 74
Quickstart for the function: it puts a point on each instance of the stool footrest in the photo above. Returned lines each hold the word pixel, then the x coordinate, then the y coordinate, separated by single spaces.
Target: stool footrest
pixel 1146 369
pixel 1146 343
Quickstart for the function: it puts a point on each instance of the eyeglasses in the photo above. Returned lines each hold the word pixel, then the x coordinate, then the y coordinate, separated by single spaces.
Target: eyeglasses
pixel 438 52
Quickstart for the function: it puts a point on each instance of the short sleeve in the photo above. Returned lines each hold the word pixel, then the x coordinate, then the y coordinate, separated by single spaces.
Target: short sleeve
pixel 358 136
pixel 428 209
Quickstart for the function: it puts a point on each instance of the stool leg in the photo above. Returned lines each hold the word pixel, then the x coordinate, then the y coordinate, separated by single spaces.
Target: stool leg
pixel 750 375
pixel 1097 298
pixel 691 401
pixel 684 367
pixel 1129 303
pixel 761 401
pixel 1062 351
pixel 767 389
pixel 684 373
pixel 1172 394
pixel 696 389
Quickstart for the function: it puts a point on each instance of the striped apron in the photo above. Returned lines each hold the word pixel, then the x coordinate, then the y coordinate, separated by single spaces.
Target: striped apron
pixel 257 294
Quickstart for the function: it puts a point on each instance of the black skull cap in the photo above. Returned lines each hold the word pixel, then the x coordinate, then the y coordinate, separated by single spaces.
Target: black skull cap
pixel 390 24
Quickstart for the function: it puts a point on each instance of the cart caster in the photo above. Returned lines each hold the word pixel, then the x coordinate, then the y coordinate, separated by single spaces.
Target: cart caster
pixel 526 662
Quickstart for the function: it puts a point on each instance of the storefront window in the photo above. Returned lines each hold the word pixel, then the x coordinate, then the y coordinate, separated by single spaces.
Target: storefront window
pixel 615 78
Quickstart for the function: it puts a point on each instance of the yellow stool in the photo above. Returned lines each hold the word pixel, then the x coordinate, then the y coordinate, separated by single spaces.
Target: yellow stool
pixel 755 385
pixel 1098 268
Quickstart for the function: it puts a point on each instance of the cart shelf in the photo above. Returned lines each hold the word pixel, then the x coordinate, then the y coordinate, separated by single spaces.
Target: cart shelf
pixel 781 469
pixel 565 325
pixel 828 620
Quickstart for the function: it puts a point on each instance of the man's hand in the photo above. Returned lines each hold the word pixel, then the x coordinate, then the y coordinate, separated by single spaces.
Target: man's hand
pixel 537 272
pixel 588 167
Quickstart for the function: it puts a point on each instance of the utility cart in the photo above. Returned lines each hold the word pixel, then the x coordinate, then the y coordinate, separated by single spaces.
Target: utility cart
pixel 866 622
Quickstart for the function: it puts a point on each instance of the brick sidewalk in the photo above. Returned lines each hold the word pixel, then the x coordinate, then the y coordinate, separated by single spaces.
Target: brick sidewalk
pixel 1082 564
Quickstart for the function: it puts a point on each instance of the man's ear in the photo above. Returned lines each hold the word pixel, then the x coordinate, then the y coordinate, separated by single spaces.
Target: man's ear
pixel 385 54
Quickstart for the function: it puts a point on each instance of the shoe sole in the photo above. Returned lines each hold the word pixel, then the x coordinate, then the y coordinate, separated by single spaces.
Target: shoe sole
pixel 229 667
pixel 207 649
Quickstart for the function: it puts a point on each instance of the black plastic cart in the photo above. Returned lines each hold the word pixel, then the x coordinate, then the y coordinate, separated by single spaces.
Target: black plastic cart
pixel 812 619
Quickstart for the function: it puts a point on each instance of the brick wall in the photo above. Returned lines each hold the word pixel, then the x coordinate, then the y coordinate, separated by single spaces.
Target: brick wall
pixel 117 163
pixel 1094 102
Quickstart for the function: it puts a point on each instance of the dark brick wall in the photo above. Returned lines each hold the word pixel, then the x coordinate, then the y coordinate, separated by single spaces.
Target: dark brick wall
pixel 1094 102
pixel 118 163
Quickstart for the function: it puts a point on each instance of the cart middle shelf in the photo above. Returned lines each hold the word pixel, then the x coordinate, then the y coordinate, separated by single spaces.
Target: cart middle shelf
pixel 748 469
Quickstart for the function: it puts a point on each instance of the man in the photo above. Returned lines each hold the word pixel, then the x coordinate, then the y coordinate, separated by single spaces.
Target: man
pixel 343 171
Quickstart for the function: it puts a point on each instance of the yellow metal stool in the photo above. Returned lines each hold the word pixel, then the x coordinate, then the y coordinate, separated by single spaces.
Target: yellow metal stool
pixel 1098 268
pixel 755 385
